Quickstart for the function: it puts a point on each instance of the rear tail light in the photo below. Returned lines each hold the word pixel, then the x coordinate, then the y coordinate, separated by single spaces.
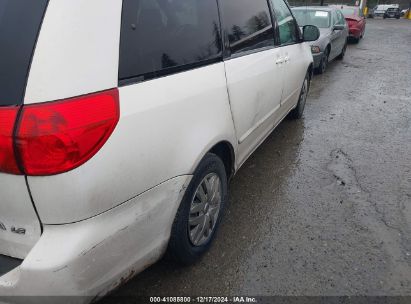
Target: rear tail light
pixel 57 137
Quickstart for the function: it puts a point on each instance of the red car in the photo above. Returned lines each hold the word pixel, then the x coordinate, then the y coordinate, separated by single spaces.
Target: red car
pixel 356 21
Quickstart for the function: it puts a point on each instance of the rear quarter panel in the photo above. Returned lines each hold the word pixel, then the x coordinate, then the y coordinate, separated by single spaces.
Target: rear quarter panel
pixel 166 125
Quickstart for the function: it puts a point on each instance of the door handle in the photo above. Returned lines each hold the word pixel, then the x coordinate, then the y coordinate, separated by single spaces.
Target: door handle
pixel 286 59
pixel 279 60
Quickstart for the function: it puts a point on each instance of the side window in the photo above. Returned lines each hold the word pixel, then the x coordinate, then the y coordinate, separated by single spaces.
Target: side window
pixel 287 25
pixel 160 37
pixel 334 16
pixel 247 24
pixel 341 19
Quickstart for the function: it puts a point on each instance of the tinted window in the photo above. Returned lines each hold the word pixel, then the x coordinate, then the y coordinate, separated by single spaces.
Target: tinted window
pixel 287 25
pixel 318 18
pixel 162 36
pixel 247 24
pixel 19 25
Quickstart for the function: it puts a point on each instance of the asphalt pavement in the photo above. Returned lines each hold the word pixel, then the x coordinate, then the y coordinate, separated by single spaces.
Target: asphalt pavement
pixel 323 207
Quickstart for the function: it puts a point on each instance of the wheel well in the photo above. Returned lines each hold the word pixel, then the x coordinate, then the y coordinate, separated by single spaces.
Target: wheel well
pixel 310 70
pixel 329 48
pixel 225 151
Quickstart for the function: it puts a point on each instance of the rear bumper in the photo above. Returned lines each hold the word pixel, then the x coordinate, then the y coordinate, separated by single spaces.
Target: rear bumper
pixel 354 33
pixel 94 256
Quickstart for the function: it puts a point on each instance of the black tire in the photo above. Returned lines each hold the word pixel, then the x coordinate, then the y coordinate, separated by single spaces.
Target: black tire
pixel 297 113
pixel 341 56
pixel 180 247
pixel 356 39
pixel 324 62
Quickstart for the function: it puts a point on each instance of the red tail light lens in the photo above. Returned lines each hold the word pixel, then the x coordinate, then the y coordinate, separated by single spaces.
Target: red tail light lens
pixel 8 162
pixel 59 136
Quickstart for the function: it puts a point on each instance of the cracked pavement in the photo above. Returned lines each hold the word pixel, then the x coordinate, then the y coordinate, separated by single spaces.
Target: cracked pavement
pixel 323 207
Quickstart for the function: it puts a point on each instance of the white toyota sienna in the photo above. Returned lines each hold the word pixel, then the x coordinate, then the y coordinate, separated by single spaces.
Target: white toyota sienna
pixel 121 124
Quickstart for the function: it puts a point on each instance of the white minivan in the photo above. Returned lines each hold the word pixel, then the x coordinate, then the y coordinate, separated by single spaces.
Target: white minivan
pixel 121 124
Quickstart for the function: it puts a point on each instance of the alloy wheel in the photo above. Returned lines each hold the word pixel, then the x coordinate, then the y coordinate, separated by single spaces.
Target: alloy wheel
pixel 205 209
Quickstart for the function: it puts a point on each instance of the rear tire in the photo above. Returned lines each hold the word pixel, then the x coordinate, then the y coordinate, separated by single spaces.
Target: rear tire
pixel 200 212
pixel 297 113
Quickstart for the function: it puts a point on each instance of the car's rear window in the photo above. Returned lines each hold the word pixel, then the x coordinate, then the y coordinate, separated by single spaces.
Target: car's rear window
pixel 349 11
pixel 20 21
pixel 162 37
pixel 318 18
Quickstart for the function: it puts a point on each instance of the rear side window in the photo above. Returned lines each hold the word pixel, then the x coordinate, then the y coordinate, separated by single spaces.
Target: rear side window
pixel 159 37
pixel 340 18
pixel 247 24
pixel 20 22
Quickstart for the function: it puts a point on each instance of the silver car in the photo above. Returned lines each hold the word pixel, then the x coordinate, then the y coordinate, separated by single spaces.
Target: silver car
pixel 334 33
